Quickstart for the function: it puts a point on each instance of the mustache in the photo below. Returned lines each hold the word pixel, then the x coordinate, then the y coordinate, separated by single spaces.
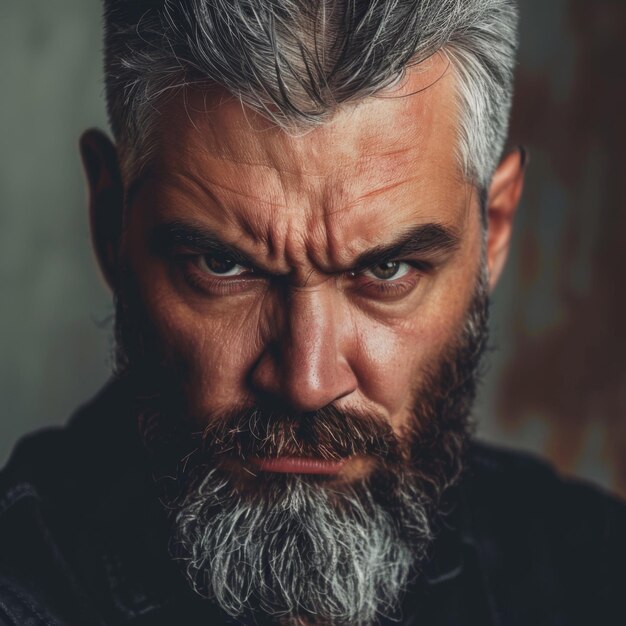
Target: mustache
pixel 329 434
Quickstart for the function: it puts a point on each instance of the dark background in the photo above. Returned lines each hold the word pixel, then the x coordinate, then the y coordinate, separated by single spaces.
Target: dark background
pixel 556 383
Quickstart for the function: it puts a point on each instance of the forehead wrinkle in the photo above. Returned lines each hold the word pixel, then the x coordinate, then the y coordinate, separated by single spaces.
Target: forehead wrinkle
pixel 377 173
pixel 385 188
pixel 208 186
pixel 266 166
pixel 238 192
pixel 389 153
pixel 275 174
pixel 181 182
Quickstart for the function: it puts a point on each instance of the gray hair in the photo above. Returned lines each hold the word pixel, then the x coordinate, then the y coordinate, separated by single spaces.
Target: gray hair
pixel 336 556
pixel 296 61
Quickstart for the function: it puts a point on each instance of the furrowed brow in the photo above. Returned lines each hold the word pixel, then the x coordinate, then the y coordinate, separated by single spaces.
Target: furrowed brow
pixel 166 238
pixel 427 240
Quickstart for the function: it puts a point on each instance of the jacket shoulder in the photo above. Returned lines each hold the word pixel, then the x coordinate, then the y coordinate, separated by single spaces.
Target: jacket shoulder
pixel 556 542
pixel 528 486
pixel 36 582
pixel 48 490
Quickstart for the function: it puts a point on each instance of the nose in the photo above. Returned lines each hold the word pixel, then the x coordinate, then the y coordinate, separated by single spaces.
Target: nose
pixel 304 365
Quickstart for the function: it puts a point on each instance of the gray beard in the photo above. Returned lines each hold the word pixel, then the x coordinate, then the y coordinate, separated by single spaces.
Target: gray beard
pixel 300 549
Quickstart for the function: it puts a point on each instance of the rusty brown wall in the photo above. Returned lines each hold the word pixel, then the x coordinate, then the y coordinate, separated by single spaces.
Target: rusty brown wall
pixel 560 319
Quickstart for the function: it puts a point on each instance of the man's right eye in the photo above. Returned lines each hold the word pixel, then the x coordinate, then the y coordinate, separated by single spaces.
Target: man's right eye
pixel 222 266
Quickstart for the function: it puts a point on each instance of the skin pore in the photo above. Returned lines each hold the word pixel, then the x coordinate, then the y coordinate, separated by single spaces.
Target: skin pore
pixel 324 267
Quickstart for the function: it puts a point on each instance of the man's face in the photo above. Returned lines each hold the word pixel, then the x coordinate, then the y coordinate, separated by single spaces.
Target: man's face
pixel 330 267
pixel 315 305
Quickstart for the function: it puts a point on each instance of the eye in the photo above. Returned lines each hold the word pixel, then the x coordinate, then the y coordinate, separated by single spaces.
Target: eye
pixel 389 270
pixel 222 266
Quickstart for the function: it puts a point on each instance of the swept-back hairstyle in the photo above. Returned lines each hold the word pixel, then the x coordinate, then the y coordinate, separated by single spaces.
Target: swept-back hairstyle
pixel 296 61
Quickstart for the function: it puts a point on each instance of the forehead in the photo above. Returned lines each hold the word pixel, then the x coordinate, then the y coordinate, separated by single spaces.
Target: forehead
pixel 400 122
pixel 380 165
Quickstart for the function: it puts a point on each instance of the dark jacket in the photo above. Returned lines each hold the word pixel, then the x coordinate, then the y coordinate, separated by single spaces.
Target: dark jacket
pixel 83 540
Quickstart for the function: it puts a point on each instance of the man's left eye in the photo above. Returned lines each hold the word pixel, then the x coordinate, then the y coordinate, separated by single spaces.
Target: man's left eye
pixel 221 266
pixel 390 270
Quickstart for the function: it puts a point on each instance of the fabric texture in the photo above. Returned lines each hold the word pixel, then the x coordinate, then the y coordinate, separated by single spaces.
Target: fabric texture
pixel 83 539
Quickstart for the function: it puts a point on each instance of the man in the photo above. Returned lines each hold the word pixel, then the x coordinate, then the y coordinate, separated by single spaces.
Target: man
pixel 305 208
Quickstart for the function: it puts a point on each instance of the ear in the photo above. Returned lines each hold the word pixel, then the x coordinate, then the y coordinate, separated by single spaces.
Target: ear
pixel 504 196
pixel 106 200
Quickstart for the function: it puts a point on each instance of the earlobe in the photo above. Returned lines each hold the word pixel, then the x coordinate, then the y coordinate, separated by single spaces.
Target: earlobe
pixel 106 200
pixel 504 196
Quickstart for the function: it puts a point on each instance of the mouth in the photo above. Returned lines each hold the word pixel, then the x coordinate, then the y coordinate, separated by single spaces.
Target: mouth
pixel 298 465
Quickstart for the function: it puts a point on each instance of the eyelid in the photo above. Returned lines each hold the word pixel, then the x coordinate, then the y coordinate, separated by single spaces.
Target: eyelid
pixel 189 248
pixel 418 264
pixel 225 254
pixel 191 253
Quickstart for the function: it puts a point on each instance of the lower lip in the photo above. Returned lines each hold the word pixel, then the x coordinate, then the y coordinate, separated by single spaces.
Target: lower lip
pixel 297 465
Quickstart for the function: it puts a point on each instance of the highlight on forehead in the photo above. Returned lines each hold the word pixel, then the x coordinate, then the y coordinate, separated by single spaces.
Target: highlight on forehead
pixel 369 154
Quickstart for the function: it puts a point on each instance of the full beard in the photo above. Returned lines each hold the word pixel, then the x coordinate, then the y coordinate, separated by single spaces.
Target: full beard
pixel 301 548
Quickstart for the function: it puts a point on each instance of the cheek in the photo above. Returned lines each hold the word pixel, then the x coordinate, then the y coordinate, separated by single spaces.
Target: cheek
pixel 392 359
pixel 209 347
pixel 216 353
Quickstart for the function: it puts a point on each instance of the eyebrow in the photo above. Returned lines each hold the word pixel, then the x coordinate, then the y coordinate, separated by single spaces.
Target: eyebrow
pixel 165 238
pixel 427 240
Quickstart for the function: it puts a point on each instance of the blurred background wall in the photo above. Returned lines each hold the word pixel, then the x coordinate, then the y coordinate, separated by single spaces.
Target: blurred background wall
pixel 556 383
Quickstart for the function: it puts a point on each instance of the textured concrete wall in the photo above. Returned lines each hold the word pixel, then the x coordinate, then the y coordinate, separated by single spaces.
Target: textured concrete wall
pixel 52 303
pixel 557 381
